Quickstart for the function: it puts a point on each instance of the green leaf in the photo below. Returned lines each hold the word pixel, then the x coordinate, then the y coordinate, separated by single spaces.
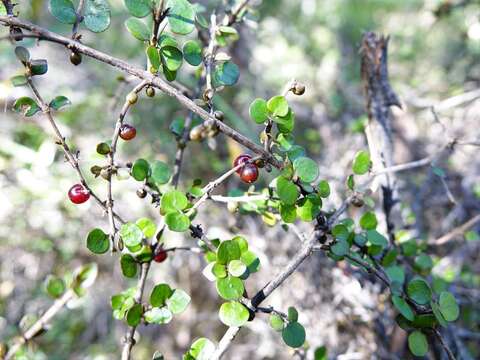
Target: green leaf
pixel 306 169
pixel 320 353
pixel 97 241
pixel 139 8
pixel 403 307
pixel 202 349
pixel 448 306
pixel 160 294
pixel 138 29
pixel 192 52
pixel 292 314
pixel 173 201
pixel 178 302
pixel 417 343
pixel 161 173
pixel 251 260
pixel 181 16
pixel 423 263
pixel 134 315
pixel 395 274
pixel 294 335
pixel 219 270
pixel 103 149
pixel 18 80
pixel 233 314
pixel 97 15
pixel 131 235
pixel 177 221
pixel 153 57
pixel 230 287
pixel 258 111
pixel 278 106
pixel 38 67
pixel 376 238
pixel 3 9
pixel 340 248
pixel 22 54
pixel 351 182
pixel 63 11
pixel 438 314
pixel 236 268
pixel 144 254
pixel 419 291
pixel 276 322
pixel 54 286
pixel 361 163
pixel 228 250
pixel 128 265
pixel 323 188
pixel 368 221
pixel 285 123
pixel 172 57
pixel 287 191
pixel 26 106
pixel 140 169
pixel 242 243
pixel 59 102
pixel 158 315
pixel 226 74
pixel 309 207
pixel 288 213
pixel 84 277
pixel 147 226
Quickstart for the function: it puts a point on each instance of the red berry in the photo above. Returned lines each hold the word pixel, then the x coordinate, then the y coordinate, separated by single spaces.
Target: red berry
pixel 249 173
pixel 127 132
pixel 161 256
pixel 78 194
pixel 241 159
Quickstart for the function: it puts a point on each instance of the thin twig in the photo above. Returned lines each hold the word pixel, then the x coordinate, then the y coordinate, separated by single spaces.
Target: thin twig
pixel 444 345
pixel 129 340
pixel 111 162
pixel 40 324
pixel 460 230
pixel 71 158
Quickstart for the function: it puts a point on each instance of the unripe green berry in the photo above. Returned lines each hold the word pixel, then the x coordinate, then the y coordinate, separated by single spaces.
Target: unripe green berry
pixel 132 98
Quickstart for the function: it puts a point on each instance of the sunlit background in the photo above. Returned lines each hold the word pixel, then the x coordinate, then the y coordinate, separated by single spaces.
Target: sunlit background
pixel 434 61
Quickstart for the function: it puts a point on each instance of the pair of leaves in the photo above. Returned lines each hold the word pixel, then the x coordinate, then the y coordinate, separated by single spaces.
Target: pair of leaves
pixel 96 13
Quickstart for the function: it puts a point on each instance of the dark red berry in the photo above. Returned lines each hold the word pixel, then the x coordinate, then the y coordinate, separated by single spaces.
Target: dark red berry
pixel 161 256
pixel 127 132
pixel 241 159
pixel 249 173
pixel 78 194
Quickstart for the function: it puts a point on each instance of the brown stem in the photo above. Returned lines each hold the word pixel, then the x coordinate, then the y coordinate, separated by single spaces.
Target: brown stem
pixel 145 75
pixel 40 324
pixel 71 158
pixel 444 344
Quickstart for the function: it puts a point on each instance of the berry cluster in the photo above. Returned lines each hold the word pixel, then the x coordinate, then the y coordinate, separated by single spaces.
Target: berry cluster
pixel 248 172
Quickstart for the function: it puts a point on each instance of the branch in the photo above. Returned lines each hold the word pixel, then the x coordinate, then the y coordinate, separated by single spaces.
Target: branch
pixel 379 98
pixel 111 162
pixel 129 340
pixel 40 324
pixel 71 158
pixel 460 230
pixel 444 345
pixel 278 280
pixel 161 84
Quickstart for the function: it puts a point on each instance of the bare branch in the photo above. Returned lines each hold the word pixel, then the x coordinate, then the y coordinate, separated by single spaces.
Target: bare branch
pixel 458 231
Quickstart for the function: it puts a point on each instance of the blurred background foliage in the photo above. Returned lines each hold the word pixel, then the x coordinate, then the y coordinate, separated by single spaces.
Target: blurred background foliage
pixel 434 55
